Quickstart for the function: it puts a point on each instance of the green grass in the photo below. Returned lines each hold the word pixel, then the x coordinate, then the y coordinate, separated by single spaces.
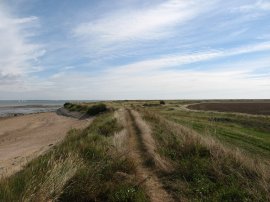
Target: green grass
pixel 90 110
pixel 204 172
pixel 81 168
pixel 249 133
pixel 76 107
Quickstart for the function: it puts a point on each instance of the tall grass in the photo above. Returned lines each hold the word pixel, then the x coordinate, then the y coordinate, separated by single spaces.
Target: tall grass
pixel 84 167
pixel 204 169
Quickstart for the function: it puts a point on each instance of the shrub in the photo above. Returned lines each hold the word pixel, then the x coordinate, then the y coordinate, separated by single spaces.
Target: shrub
pixel 67 105
pixel 151 105
pixel 162 102
pixel 96 109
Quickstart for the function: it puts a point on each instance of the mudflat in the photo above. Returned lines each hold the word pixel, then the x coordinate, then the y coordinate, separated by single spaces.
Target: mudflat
pixel 25 137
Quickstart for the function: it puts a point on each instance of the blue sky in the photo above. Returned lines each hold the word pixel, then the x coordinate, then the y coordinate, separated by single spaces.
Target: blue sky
pixel 134 49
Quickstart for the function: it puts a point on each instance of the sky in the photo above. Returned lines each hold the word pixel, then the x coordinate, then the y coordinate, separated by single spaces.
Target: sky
pixel 134 49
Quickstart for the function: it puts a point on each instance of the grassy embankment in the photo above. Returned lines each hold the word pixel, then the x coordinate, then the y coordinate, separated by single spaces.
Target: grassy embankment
pixel 83 167
pixel 205 170
pixel 247 132
pixel 90 109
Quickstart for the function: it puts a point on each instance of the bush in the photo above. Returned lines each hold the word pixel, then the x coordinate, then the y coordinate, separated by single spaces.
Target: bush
pixel 67 105
pixel 162 102
pixel 96 109
pixel 151 105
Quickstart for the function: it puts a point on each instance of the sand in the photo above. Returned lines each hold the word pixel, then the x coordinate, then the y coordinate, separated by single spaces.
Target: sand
pixel 25 137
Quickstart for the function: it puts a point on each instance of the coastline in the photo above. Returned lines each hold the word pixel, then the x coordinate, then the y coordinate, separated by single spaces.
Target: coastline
pixel 14 111
pixel 27 136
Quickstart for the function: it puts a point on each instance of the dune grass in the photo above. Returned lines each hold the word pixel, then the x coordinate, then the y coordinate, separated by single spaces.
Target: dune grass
pixel 90 110
pixel 83 167
pixel 205 170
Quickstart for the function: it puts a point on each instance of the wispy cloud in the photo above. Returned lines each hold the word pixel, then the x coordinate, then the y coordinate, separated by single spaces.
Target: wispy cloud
pixel 188 83
pixel 136 24
pixel 178 60
pixel 261 5
pixel 17 53
pixel 135 49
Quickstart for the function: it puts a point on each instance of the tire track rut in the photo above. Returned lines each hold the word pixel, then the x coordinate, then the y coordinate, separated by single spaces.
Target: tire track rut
pixel 145 175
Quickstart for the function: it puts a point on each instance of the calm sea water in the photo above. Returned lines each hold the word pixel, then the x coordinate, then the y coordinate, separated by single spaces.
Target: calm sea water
pixel 15 107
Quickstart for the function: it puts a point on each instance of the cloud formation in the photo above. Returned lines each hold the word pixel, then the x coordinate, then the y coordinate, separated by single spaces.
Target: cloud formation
pixel 16 51
pixel 179 60
pixel 262 5
pixel 134 49
pixel 124 28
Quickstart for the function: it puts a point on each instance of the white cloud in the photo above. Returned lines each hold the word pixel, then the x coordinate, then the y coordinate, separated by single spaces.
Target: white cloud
pixel 139 24
pixel 262 5
pixel 16 52
pixel 178 60
pixel 239 79
pixel 173 21
pixel 167 85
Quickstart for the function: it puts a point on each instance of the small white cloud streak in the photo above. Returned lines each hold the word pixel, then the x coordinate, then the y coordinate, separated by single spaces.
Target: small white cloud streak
pixel 178 60
pixel 261 5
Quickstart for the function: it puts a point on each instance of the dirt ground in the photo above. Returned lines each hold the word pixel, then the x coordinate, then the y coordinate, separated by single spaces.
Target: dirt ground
pixel 145 175
pixel 259 108
pixel 25 137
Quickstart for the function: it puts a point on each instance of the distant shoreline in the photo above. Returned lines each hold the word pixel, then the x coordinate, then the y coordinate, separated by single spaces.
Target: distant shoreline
pixel 25 137
pixel 14 111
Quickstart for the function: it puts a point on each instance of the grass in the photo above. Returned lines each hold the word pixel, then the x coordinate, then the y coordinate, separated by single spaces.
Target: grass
pixel 205 170
pixel 75 107
pixel 197 156
pixel 249 133
pixel 90 110
pixel 83 167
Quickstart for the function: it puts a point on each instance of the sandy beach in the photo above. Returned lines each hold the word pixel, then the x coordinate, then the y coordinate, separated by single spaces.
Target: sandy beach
pixel 24 137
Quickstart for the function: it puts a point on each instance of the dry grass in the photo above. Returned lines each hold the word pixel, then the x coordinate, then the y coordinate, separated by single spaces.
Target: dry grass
pixel 145 174
pixel 149 144
pixel 83 167
pixel 120 139
pixel 219 151
pixel 214 160
pixel 54 179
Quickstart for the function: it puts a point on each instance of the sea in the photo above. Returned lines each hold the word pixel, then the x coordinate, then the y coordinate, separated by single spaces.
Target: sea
pixel 20 107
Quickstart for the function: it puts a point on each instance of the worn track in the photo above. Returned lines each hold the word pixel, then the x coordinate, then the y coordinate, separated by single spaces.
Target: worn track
pixel 145 175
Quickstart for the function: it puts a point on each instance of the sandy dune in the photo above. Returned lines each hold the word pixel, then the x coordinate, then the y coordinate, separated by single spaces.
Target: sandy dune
pixel 23 138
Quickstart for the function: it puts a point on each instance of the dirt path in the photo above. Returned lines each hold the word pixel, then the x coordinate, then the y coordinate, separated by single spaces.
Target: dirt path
pixel 143 173
pixel 25 137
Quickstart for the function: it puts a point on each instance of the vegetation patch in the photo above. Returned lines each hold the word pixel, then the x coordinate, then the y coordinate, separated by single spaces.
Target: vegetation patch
pixel 151 105
pixel 91 110
pixel 162 102
pixel 96 109
pixel 204 169
pixel 81 168
pixel 249 133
